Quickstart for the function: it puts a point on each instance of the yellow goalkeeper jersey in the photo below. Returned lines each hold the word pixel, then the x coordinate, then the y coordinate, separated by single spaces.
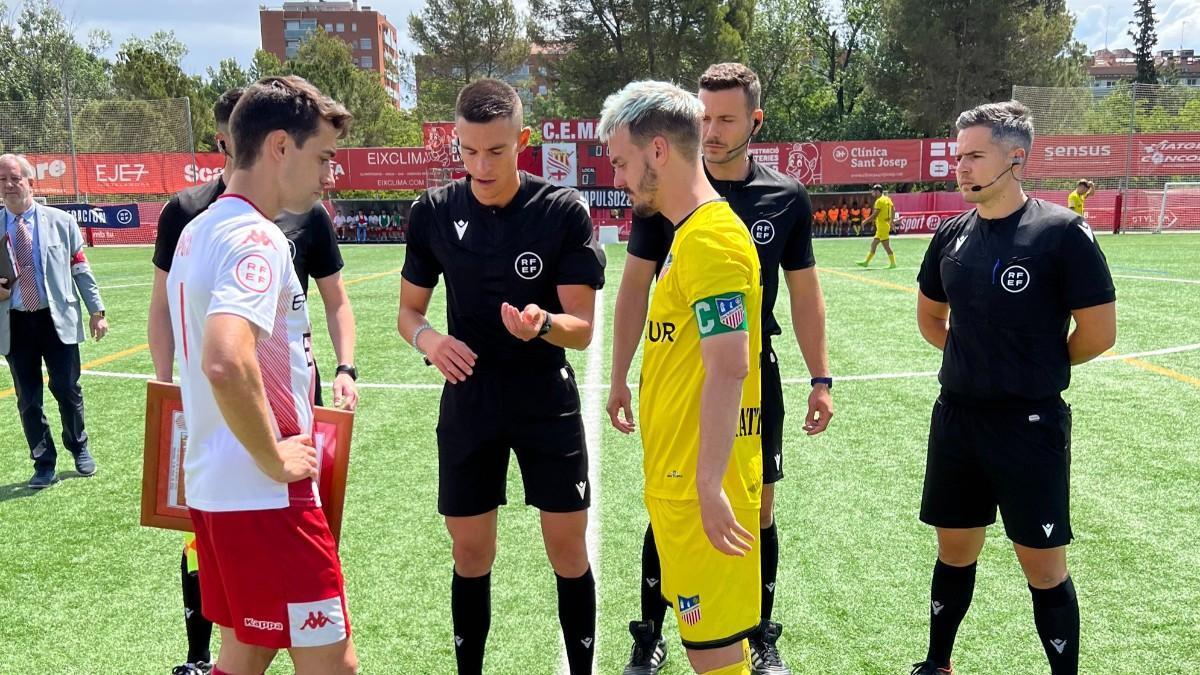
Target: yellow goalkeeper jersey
pixel 711 283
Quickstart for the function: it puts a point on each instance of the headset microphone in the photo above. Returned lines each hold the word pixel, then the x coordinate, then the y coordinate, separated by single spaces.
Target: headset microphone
pixel 753 130
pixel 1015 162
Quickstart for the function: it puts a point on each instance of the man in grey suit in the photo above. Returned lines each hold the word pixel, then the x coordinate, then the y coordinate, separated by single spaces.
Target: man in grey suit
pixel 40 319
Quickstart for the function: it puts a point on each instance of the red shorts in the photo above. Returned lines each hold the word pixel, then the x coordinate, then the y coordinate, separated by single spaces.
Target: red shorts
pixel 272 576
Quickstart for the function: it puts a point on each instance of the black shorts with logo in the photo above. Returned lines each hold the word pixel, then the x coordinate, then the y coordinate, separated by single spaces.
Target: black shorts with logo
pixel 772 417
pixel 1017 458
pixel 533 411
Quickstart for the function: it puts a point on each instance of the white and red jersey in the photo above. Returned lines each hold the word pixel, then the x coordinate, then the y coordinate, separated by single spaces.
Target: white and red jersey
pixel 233 260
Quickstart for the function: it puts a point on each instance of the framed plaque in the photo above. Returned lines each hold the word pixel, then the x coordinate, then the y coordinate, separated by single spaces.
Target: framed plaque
pixel 164 502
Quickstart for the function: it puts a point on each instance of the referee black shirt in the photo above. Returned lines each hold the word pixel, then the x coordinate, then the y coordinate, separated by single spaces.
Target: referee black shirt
pixel 520 254
pixel 311 237
pixel 777 211
pixel 1011 284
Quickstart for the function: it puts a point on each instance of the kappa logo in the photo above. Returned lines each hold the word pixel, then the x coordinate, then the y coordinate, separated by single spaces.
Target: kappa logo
pixel 582 488
pixel 937 607
pixel 763 231
pixel 316 620
pixel 1048 528
pixel 259 624
pixel 460 226
pixel 258 237
pixel 1059 645
pixel 528 265
pixel 1014 279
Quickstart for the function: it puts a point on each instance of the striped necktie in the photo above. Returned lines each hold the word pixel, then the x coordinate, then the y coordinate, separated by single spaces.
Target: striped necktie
pixel 31 296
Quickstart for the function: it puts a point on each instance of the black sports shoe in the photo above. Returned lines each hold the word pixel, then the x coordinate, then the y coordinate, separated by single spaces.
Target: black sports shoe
pixel 198 668
pixel 931 668
pixel 764 656
pixel 648 653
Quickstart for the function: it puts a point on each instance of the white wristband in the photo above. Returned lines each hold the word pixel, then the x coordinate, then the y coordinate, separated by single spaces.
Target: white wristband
pixel 417 333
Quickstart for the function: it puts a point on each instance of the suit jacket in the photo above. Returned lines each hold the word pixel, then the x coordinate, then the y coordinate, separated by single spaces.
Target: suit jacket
pixel 67 277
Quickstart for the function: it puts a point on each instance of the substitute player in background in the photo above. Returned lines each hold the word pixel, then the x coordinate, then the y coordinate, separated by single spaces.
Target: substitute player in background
pixel 777 211
pixel 314 252
pixel 522 268
pixel 882 213
pixel 999 287
pixel 1077 198
pixel 272 578
pixel 700 401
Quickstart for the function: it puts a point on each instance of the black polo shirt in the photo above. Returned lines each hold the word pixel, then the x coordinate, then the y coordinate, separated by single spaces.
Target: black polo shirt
pixel 310 235
pixel 1011 284
pixel 775 208
pixel 520 254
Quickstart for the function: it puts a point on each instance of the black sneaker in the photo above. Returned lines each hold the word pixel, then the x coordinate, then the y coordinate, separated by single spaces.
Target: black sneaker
pixel 764 656
pixel 84 464
pixel 649 653
pixel 197 668
pixel 931 668
pixel 42 478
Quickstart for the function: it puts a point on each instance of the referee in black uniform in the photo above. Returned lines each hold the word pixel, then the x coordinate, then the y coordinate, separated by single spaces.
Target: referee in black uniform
pixel 778 213
pixel 999 287
pixel 315 254
pixel 522 268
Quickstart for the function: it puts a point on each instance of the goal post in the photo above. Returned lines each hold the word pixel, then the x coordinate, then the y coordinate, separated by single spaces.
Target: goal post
pixel 1179 207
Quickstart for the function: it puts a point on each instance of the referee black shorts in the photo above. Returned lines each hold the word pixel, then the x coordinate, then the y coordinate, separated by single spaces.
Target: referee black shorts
pixel 1016 458
pixel 772 417
pixel 532 411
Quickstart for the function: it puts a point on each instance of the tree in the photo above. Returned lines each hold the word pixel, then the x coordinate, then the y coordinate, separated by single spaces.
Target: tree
pixel 151 70
pixel 1144 40
pixel 460 41
pixel 608 44
pixel 939 57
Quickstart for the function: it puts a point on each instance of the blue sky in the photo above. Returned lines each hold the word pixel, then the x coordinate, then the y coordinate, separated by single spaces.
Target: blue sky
pixel 217 29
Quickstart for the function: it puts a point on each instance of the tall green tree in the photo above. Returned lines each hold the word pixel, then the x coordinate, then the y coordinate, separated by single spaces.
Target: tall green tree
pixel 939 57
pixel 1144 39
pixel 609 44
pixel 460 41
pixel 152 68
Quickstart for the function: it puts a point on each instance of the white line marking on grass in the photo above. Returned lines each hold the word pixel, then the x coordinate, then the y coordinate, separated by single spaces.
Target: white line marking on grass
pixel 109 288
pixel 1166 279
pixel 593 419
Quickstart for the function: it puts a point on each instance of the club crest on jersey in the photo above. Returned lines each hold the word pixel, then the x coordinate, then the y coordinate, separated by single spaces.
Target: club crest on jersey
pixel 1014 279
pixel 763 231
pixel 666 266
pixel 528 265
pixel 731 311
pixel 689 609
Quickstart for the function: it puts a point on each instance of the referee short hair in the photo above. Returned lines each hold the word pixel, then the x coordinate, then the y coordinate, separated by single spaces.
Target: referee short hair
pixel 485 100
pixel 650 109
pixel 722 76
pixel 223 108
pixel 289 103
pixel 1011 123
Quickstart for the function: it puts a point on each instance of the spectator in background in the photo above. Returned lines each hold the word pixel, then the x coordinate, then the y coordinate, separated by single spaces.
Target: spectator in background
pixel 361 229
pixel 1077 199
pixel 40 318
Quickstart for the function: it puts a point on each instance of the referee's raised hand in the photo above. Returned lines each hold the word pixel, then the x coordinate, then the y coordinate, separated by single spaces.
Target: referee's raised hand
pixel 451 356
pixel 524 324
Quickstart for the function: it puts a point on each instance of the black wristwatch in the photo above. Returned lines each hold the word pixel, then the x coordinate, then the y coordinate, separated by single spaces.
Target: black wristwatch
pixel 827 381
pixel 546 326
pixel 349 370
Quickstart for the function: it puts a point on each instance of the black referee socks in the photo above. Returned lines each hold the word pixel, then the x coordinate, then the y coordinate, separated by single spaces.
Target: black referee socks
pixel 949 599
pixel 770 568
pixel 471 610
pixel 654 607
pixel 1056 614
pixel 577 614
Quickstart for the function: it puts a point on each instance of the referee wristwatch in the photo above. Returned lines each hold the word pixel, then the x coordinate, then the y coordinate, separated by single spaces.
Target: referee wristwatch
pixel 349 370
pixel 546 325
pixel 827 381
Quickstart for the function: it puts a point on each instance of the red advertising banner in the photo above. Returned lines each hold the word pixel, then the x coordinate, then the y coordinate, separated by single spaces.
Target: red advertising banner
pixel 440 140
pixel 1166 154
pixel 383 168
pixel 870 162
pixel 1078 156
pixel 559 131
pixel 937 159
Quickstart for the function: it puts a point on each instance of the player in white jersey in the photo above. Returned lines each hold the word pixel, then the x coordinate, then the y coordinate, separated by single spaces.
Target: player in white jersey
pixel 271 575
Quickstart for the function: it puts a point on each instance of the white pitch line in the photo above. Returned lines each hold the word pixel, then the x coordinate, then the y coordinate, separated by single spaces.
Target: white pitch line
pixel 591 386
pixel 1166 279
pixel 592 424
pixel 109 288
